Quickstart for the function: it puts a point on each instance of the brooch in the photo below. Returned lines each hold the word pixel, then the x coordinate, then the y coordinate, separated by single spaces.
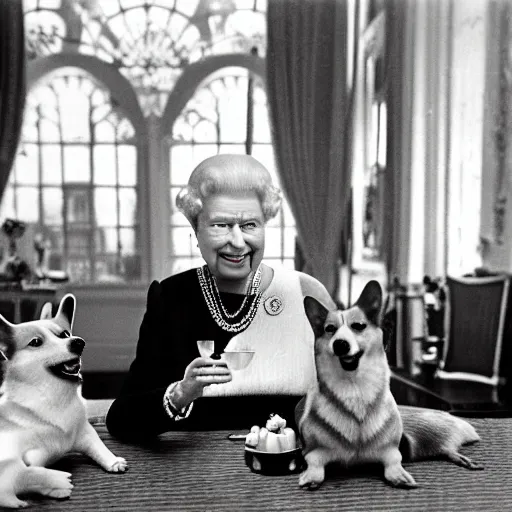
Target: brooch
pixel 273 305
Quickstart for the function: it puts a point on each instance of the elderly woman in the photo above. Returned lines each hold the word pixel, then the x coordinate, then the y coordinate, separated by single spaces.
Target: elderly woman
pixel 234 300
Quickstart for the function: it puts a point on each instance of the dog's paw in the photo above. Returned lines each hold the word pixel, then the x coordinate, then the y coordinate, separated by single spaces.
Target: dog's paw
pixel 465 462
pixel 58 494
pixel 397 476
pixel 59 485
pixel 12 502
pixel 119 466
pixel 312 478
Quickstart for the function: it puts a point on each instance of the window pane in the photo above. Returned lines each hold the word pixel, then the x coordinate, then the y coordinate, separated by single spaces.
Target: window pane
pixel 127 237
pixel 51 163
pixel 56 237
pixel 184 242
pixel 7 210
pixel 272 242
pixel 106 241
pixel 203 151
pixel 205 131
pixel 27 166
pixel 127 157
pixel 261 121
pixel 105 206
pixel 78 205
pixel 27 199
pixel 78 242
pixel 233 117
pixel 77 167
pixel 290 235
pixel 288 216
pixel 182 158
pixel 104 165
pixel 74 113
pixel 48 131
pixel 104 132
pixel 127 207
pixel 52 206
pixel 237 149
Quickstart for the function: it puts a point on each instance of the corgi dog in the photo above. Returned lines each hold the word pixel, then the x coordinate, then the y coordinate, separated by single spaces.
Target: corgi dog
pixel 350 416
pixel 42 412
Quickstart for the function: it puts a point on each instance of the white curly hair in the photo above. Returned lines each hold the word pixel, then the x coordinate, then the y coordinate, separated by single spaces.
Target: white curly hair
pixel 224 174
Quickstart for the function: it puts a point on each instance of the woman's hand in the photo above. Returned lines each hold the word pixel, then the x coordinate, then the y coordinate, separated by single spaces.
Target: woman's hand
pixel 201 372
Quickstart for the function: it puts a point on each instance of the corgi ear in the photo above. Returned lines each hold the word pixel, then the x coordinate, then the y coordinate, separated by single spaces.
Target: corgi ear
pixel 316 314
pixel 7 345
pixel 46 311
pixel 66 312
pixel 370 301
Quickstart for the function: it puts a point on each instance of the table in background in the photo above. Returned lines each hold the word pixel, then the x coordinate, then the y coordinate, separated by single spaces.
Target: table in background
pixel 19 304
pixel 204 471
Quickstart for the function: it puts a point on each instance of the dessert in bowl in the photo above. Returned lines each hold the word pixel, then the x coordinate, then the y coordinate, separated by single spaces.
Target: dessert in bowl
pixel 273 449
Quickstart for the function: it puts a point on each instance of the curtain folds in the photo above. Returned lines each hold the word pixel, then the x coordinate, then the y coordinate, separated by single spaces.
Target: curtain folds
pixel 310 107
pixel 12 83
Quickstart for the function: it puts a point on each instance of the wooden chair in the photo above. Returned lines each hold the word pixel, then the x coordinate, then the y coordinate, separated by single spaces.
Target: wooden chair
pixel 475 352
pixel 476 311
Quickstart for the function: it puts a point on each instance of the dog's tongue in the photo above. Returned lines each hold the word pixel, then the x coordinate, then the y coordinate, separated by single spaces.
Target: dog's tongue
pixel 349 364
pixel 72 367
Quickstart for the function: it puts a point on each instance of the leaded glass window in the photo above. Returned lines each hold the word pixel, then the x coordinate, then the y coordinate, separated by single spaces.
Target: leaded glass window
pixel 75 179
pixel 151 42
pixel 215 120
pixel 91 195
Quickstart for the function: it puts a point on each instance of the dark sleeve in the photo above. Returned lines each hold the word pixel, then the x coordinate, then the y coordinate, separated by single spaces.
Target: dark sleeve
pixel 138 412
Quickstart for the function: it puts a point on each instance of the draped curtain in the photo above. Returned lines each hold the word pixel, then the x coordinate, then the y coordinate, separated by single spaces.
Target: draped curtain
pixel 311 115
pixel 395 153
pixel 12 83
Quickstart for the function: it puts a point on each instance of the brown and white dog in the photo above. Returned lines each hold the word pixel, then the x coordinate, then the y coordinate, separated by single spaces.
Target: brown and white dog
pixel 350 416
pixel 42 412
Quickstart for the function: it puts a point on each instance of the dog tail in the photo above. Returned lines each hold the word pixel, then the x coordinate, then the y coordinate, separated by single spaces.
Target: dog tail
pixel 430 433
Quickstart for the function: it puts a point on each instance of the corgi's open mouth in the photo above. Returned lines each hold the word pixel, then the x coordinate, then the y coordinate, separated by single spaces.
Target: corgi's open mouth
pixel 69 370
pixel 350 363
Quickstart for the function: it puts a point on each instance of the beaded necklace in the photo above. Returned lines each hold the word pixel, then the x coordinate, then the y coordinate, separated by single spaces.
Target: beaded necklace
pixel 228 321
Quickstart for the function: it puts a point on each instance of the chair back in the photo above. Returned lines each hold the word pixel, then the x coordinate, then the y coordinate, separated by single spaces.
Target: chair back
pixel 476 310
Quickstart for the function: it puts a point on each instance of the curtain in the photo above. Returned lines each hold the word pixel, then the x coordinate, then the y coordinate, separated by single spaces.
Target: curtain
pixel 310 108
pixel 12 83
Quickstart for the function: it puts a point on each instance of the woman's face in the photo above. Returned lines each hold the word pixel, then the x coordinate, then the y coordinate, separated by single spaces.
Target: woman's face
pixel 231 235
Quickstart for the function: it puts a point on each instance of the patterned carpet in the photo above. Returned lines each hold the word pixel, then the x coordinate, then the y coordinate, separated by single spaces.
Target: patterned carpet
pixel 204 471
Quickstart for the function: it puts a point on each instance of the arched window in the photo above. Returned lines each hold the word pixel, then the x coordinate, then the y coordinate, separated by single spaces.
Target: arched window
pixel 93 182
pixel 227 114
pixel 75 179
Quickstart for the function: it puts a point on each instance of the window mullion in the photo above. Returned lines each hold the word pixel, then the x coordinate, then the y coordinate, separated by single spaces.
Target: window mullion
pixel 91 197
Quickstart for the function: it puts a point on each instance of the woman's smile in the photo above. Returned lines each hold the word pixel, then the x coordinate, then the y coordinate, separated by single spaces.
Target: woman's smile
pixel 235 258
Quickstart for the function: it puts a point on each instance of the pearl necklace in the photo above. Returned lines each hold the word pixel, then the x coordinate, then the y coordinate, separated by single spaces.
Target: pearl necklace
pixel 212 298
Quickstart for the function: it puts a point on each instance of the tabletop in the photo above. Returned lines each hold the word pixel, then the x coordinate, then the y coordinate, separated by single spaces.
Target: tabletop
pixel 205 471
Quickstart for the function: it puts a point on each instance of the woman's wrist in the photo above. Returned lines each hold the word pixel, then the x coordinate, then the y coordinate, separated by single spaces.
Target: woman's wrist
pixel 174 404
pixel 178 397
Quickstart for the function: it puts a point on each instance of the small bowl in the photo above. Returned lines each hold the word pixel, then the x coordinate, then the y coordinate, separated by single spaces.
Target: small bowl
pixel 237 359
pixel 268 463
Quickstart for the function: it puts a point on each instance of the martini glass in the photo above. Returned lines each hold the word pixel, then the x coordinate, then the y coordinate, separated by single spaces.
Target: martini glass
pixel 235 359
